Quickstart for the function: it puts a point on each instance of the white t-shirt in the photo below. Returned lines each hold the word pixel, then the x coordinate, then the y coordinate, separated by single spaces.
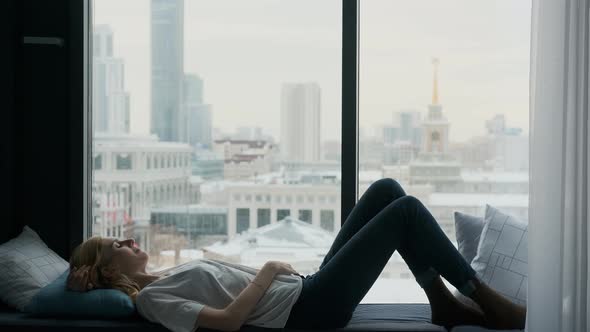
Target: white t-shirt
pixel 176 299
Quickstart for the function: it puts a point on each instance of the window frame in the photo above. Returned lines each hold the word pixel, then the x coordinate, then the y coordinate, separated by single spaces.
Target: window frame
pixel 82 69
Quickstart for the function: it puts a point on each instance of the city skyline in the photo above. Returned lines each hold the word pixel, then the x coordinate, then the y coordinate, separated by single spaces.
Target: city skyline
pixel 505 82
pixel 255 69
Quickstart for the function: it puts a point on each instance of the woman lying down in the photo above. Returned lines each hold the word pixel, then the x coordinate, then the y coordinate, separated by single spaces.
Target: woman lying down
pixel 224 296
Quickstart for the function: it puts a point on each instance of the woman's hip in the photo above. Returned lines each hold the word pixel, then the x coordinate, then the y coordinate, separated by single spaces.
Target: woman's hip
pixel 316 310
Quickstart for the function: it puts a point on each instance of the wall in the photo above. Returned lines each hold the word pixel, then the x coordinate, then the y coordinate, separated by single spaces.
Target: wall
pixel 10 126
pixel 43 136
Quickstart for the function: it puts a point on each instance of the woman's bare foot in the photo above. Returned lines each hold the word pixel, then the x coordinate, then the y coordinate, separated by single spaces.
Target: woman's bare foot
pixel 456 313
pixel 500 313
pixel 448 311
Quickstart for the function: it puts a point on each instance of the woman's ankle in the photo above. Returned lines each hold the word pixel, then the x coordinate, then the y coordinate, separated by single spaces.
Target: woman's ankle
pixel 434 291
pixel 479 294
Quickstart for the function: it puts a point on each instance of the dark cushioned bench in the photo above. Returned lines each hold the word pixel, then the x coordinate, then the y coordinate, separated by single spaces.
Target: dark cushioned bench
pixel 367 317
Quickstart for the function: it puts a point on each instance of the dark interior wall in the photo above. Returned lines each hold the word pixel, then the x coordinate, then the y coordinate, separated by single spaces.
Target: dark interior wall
pixel 44 109
pixel 44 122
pixel 9 18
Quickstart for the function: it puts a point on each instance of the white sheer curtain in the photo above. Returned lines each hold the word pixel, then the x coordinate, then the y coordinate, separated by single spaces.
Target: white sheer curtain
pixel 559 293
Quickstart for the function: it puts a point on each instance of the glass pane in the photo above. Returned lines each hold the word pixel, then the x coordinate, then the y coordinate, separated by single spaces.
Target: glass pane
pixel 215 118
pixel 282 214
pixel 327 220
pixel 443 109
pixel 242 220
pixel 263 217
pixel 305 215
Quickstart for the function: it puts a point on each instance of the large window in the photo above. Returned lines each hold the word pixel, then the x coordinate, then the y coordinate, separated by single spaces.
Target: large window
pixel 443 109
pixel 215 118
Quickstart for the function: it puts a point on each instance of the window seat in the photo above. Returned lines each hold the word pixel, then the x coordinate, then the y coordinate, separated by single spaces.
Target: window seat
pixel 392 317
pixel 367 317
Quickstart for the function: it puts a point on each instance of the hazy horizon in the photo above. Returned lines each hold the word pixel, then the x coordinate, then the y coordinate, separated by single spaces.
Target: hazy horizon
pixel 245 51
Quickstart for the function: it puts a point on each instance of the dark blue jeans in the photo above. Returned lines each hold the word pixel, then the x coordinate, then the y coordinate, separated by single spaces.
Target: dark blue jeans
pixel 385 219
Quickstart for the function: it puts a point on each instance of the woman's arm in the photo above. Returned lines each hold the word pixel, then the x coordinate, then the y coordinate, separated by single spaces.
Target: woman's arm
pixel 243 305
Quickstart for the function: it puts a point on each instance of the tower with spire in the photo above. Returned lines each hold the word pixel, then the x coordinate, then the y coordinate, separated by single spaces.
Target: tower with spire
pixel 435 126
pixel 435 165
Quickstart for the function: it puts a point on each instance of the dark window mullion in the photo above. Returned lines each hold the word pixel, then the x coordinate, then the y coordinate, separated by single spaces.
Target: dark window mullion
pixel 350 51
pixel 80 135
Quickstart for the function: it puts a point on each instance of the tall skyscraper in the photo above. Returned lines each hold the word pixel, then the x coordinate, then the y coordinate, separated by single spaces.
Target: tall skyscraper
pixel 300 121
pixel 496 125
pixel 109 100
pixel 406 126
pixel 200 123
pixel 167 42
pixel 198 114
pixel 193 89
pixel 403 138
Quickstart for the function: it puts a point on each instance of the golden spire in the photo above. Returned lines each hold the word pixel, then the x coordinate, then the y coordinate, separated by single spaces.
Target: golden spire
pixel 435 62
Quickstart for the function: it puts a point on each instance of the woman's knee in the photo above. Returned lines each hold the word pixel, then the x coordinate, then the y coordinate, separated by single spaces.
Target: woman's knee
pixel 410 202
pixel 389 185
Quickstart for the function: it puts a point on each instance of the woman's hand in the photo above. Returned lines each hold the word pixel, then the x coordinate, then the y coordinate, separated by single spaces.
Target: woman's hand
pixel 281 267
pixel 78 279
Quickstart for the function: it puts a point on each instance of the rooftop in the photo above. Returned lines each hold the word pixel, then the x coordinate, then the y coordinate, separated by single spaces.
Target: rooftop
pixel 250 143
pixel 478 200
pixel 191 209
pixel 135 141
pixel 495 177
pixel 285 235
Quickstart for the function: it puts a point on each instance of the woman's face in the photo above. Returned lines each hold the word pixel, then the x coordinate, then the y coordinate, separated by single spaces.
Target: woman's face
pixel 124 254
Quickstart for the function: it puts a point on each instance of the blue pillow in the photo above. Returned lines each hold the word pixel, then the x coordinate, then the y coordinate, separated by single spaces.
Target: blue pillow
pixel 468 231
pixel 56 300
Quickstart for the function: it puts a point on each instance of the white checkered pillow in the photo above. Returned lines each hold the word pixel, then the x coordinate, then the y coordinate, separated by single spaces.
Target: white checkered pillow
pixel 502 258
pixel 27 265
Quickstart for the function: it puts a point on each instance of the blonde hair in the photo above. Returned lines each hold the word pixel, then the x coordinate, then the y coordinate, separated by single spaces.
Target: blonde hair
pixel 102 274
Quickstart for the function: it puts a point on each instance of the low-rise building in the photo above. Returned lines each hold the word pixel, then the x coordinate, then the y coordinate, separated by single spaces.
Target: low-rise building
pixel 143 173
pixel 245 158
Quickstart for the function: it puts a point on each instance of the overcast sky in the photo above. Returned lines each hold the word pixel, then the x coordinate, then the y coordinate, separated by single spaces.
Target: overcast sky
pixel 245 49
